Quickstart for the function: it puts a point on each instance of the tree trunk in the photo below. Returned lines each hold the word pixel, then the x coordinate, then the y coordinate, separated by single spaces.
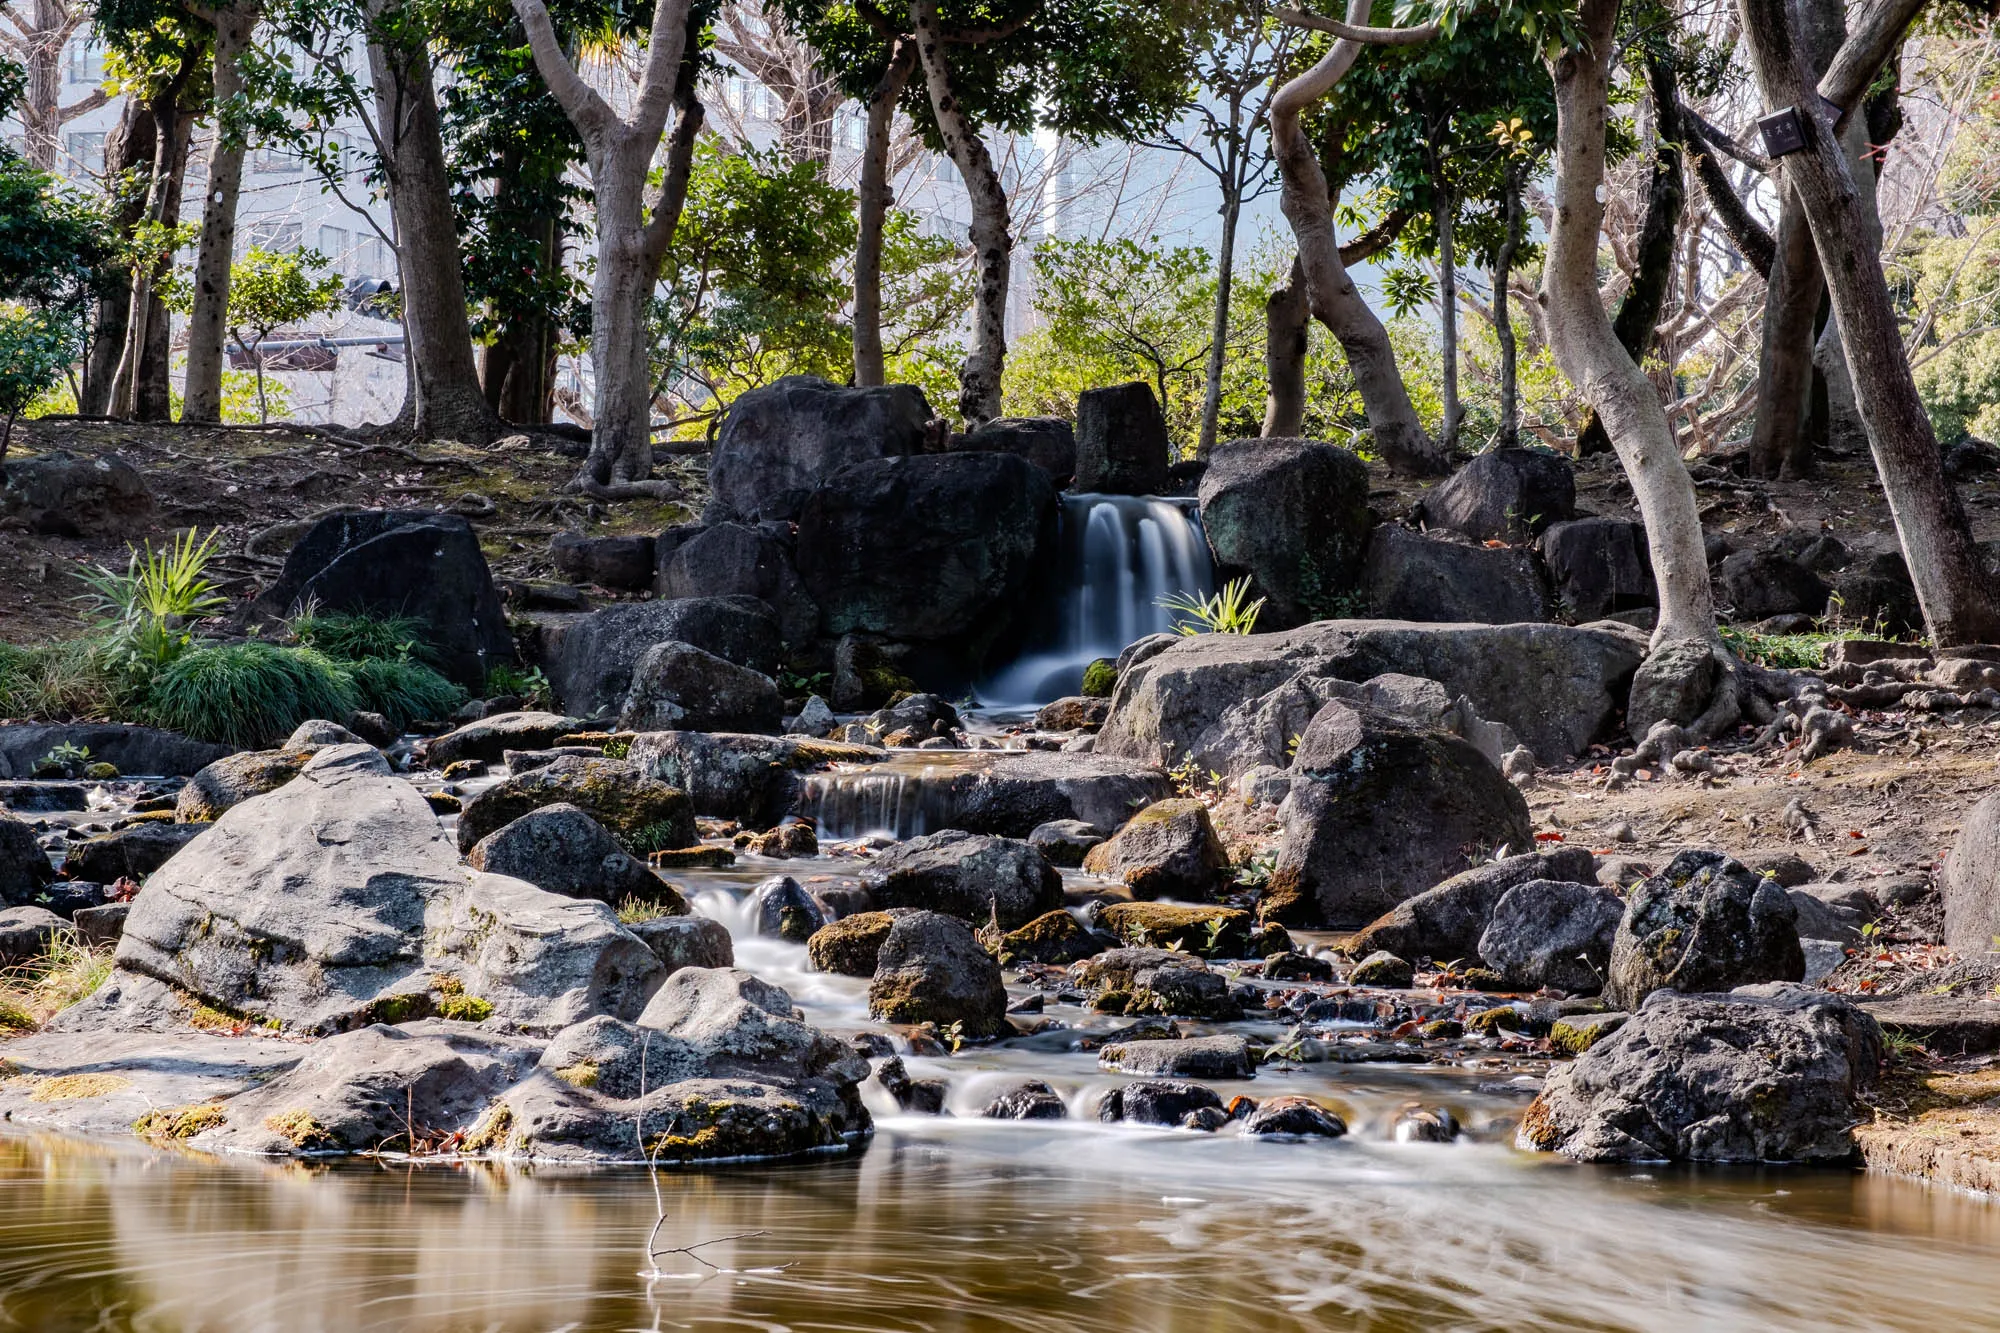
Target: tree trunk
pixel 40 108
pixel 1218 336
pixel 979 379
pixel 1399 437
pixel 1666 194
pixel 1441 218
pixel 450 404
pixel 1956 592
pixel 872 206
pixel 1750 237
pixel 170 129
pixel 208 322
pixel 1503 322
pixel 1588 349
pixel 128 148
pixel 1842 417
pixel 1287 321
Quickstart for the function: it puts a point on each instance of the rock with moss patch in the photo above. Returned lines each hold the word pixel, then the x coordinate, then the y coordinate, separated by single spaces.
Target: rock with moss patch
pixel 686 941
pixel 1100 678
pixel 1156 1102
pixel 1076 713
pixel 1768 1073
pixel 1577 1033
pixel 1705 923
pixel 1382 969
pixel 1156 981
pixel 560 849
pixel 1293 516
pixel 235 778
pixel 646 814
pixel 1209 932
pixel 1547 933
pixel 931 969
pixel 1293 1117
pixel 851 945
pixel 1053 937
pixel 968 875
pixel 1167 850
pixel 1065 842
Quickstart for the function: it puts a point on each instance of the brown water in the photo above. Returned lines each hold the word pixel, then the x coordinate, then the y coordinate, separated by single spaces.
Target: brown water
pixel 962 1226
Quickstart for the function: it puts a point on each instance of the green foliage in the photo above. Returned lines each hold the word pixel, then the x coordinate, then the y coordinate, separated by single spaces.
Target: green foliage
pixel 1792 652
pixel 143 616
pixel 1100 678
pixel 271 288
pixel 1949 288
pixel 353 637
pixel 530 686
pixel 403 691
pixel 58 681
pixel 1227 612
pixel 249 694
pixel 36 347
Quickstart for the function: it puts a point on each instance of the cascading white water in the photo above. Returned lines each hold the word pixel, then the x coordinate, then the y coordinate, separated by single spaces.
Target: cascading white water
pixel 1120 554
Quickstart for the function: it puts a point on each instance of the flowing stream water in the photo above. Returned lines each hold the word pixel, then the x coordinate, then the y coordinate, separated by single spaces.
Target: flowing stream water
pixel 959 1223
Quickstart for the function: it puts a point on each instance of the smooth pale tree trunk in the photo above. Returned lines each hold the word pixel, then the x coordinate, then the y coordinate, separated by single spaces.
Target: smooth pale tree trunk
pixel 630 243
pixel 1638 315
pixel 128 148
pixel 979 378
pixel 872 207
pixel 1956 592
pixel 1399 436
pixel 449 402
pixel 1843 415
pixel 208 321
pixel 1587 347
pixel 1287 321
pixel 1218 333
pixel 1441 219
pixel 1503 320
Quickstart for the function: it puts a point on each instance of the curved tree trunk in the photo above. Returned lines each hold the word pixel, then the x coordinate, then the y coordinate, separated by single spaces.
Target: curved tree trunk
pixel 208 322
pixel 1441 219
pixel 450 403
pixel 1959 600
pixel 127 149
pixel 1307 203
pixel 872 206
pixel 1750 237
pixel 1218 333
pixel 1287 320
pixel 979 379
pixel 1588 350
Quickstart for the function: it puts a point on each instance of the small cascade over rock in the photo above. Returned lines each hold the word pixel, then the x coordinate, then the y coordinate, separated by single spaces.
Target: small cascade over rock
pixel 1118 556
pixel 903 800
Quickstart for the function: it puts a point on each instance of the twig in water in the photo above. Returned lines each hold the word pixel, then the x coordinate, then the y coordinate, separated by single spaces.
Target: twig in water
pixel 659 1199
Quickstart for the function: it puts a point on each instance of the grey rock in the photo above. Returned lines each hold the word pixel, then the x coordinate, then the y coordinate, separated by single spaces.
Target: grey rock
pixel 133 750
pixel 1555 934
pixel 1408 576
pixel 26 932
pixel 754 780
pixel 403 562
pixel 1074 713
pixel 779 442
pixel 1674 684
pixel 58 494
pixel 1266 784
pixel 1231 702
pixel 1168 850
pixel 490 738
pixel 1762 1074
pixel 968 875
pixel 1383 969
pixel 1121 441
pixel 128 853
pixel 1970 884
pixel 815 719
pixel 1878 591
pixel 1819 919
pixel 1507 495
pixel 1032 1100
pixel 784 910
pixel 1195 1057
pixel 931 969
pixel 560 849
pixel 42 798
pixel 1364 783
pixel 734 559
pixel 1159 981
pixel 1293 1117
pixel 1759 584
pixel 646 814
pixel 686 941
pixel 678 687
pixel 24 869
pixel 1063 842
pixel 316 732
pixel 1703 924
pixel 101 926
pixel 1156 1102
pixel 589 659
pixel 624 563
pixel 1599 566
pixel 1047 442
pixel 1293 516
pixel 234 779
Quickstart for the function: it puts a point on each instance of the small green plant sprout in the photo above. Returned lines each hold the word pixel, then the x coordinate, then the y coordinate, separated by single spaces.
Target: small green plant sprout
pixel 954 1036
pixel 531 687
pixel 1256 872
pixel 1215 931
pixel 1227 612
pixel 270 288
pixel 65 760
pixel 143 615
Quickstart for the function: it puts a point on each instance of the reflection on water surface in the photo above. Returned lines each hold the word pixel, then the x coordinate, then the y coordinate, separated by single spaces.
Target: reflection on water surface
pixel 963 1226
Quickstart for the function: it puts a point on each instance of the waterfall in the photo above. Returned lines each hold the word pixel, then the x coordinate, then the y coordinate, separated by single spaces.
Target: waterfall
pixel 1118 556
pixel 903 798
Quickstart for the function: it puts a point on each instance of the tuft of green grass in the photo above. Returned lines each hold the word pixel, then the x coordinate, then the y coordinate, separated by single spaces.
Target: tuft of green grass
pixel 59 682
pixel 403 690
pixel 248 694
pixel 636 909
pixel 353 637
pixel 1791 652
pixel 1227 612
pixel 33 992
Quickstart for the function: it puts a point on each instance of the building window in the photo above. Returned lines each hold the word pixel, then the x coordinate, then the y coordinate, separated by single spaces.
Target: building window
pixel 333 244
pixel 277 237
pixel 86 152
pixel 85 64
pixel 276 159
pixel 371 258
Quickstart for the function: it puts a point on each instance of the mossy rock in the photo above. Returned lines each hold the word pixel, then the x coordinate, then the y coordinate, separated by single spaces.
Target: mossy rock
pixel 699 857
pixel 646 814
pixel 848 947
pixel 1209 932
pixel 1577 1033
pixel 1100 678
pixel 1053 937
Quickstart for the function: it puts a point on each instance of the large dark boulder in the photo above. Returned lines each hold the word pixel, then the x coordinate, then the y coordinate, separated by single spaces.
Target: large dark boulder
pixel 625 563
pixel 1506 495
pixel 931 548
pixel 1764 1074
pixel 1006 793
pixel 127 853
pixel 678 687
pixel 1970 884
pixel 1167 850
pixel 1379 806
pixel 732 559
pixel 967 875
pixel 1221 699
pixel 1121 441
pixel 589 660
pixel 779 442
pixel 1047 442
pixel 1293 515
pixel 752 779
pixel 1550 933
pixel 134 751
pixel 1705 923
pixel 1599 566
pixel 490 738
pixel 1408 576
pixel 1757 585
pixel 61 495
pixel 645 813
pixel 560 849
pixel 403 562
pixel 24 870
pixel 931 969
pixel 1877 591
pixel 1445 922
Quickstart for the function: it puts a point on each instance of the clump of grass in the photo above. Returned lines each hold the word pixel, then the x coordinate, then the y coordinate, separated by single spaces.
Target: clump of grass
pixel 249 695
pixel 179 1122
pixel 144 614
pixel 582 1074
pixel 453 1002
pixel 77 1087
pixel 1790 652
pixel 33 992
pixel 531 687
pixel 636 909
pixel 360 638
pixel 1227 612
pixel 403 690
pixel 59 682
pixel 300 1129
